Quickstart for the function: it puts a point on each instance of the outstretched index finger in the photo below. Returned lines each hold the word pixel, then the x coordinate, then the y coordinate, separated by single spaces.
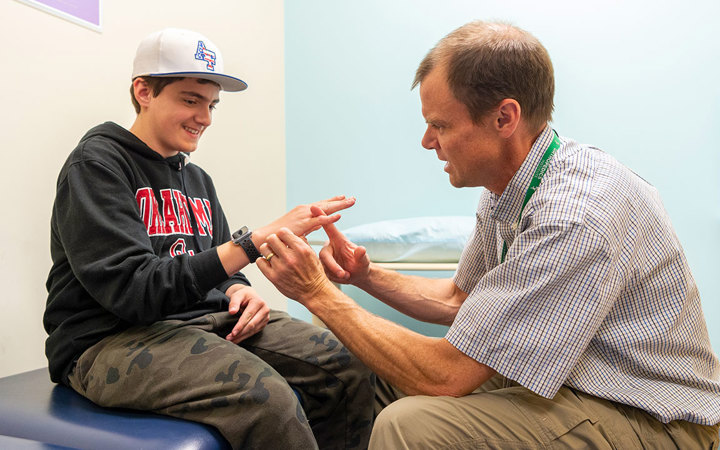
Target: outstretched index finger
pixel 334 204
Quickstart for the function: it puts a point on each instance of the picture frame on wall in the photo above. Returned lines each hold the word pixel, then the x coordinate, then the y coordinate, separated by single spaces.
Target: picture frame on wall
pixel 86 13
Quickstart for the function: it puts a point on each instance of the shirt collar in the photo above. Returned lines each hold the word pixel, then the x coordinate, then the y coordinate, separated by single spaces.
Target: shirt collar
pixel 509 203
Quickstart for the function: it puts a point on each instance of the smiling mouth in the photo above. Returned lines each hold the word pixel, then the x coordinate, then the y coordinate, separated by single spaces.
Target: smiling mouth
pixel 192 130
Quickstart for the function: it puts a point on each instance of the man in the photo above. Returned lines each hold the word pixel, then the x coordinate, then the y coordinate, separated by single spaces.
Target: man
pixel 574 319
pixel 146 307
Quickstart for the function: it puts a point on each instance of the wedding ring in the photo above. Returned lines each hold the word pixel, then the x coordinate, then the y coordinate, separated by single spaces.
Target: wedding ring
pixel 269 256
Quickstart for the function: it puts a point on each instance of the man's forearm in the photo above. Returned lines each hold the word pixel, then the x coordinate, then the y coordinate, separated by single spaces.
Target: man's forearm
pixel 414 363
pixel 426 299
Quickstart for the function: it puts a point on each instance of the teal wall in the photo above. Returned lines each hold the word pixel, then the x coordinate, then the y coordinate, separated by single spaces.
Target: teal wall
pixel 639 79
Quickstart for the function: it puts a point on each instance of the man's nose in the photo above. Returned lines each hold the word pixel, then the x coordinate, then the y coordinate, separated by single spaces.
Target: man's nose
pixel 429 141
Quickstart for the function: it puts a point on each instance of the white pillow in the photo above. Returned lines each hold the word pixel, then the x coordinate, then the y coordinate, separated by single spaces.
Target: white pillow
pixel 418 239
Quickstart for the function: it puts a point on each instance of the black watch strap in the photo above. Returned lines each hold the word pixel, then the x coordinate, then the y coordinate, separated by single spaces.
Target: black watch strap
pixel 243 238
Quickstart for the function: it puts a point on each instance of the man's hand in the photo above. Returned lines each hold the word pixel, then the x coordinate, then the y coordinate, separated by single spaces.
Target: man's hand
pixel 302 221
pixel 414 363
pixel 344 261
pixel 292 266
pixel 255 313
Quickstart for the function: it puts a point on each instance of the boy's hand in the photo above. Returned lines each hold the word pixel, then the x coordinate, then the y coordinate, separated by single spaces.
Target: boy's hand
pixel 255 313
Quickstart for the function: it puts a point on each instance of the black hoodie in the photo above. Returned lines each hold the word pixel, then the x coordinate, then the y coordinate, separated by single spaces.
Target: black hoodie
pixel 133 241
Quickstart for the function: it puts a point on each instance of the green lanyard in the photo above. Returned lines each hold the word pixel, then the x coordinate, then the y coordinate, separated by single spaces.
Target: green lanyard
pixel 534 183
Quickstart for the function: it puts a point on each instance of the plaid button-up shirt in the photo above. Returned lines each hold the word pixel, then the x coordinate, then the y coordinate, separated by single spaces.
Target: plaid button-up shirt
pixel 595 292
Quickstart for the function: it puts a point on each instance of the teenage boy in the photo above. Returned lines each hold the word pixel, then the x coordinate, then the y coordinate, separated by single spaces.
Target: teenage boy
pixel 147 308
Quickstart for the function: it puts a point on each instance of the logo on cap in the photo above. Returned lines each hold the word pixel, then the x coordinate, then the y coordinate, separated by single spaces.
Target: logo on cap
pixel 203 54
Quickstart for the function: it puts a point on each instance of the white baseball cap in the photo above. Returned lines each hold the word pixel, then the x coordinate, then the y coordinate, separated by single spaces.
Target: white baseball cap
pixel 174 52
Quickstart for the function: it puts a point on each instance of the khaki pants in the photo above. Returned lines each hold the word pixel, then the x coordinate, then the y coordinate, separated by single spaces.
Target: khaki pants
pixel 504 415
pixel 187 369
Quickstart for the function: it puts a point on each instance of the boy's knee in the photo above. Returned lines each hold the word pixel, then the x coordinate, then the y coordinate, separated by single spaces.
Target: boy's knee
pixel 360 371
pixel 278 411
pixel 281 398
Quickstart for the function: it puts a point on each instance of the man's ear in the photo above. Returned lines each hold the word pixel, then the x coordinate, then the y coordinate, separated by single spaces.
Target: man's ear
pixel 508 117
pixel 142 91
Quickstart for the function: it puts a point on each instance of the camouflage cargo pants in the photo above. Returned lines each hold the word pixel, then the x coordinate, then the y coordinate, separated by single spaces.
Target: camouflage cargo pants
pixel 187 369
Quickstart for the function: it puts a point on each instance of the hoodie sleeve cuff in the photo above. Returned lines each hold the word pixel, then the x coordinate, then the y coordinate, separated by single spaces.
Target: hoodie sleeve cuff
pixel 208 269
pixel 238 278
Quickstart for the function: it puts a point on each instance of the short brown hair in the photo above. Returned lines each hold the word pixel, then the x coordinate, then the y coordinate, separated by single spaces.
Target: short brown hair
pixel 488 62
pixel 157 84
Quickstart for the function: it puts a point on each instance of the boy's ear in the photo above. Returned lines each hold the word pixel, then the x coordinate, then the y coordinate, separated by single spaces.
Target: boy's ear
pixel 143 93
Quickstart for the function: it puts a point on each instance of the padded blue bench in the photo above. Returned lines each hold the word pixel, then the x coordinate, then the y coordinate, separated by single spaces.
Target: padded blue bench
pixel 36 413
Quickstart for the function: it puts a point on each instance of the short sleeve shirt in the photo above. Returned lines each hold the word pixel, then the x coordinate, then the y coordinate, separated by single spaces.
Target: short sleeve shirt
pixel 595 291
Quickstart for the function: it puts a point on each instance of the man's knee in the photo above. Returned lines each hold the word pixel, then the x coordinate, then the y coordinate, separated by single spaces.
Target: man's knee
pixel 401 424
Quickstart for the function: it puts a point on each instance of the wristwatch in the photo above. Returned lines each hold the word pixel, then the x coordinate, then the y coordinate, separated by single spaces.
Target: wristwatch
pixel 243 238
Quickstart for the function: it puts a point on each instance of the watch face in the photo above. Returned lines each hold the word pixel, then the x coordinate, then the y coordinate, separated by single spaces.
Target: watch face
pixel 239 233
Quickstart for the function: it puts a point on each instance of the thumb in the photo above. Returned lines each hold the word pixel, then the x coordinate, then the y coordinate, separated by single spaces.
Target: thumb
pixel 331 265
pixel 316 211
pixel 264 267
pixel 360 254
